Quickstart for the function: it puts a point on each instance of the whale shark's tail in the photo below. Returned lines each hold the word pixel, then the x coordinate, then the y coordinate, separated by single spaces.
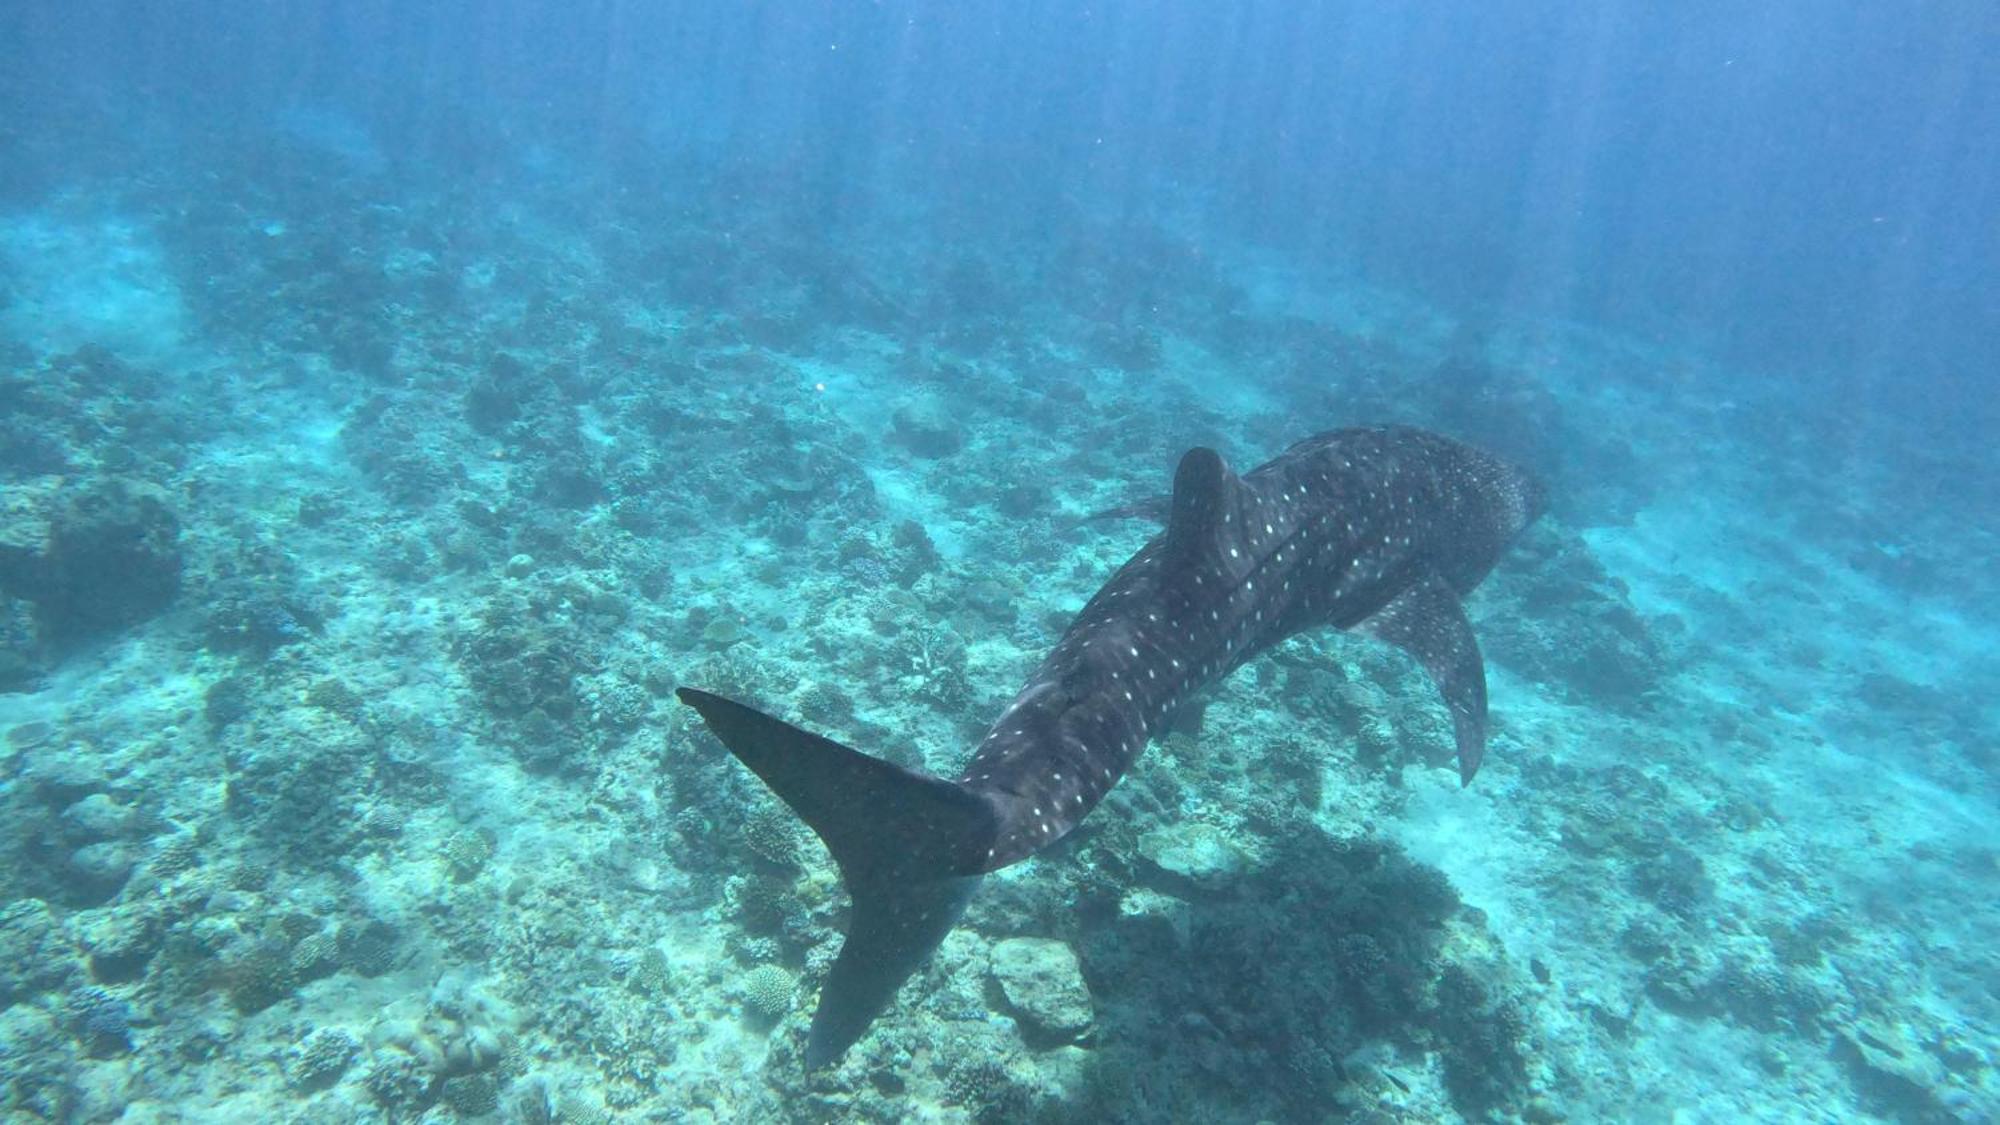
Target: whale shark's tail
pixel 910 848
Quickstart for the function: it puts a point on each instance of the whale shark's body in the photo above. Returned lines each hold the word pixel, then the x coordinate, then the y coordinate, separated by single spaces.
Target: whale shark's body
pixel 1380 530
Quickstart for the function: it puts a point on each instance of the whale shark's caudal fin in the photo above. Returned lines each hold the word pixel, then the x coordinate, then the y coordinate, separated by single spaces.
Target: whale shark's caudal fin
pixel 910 849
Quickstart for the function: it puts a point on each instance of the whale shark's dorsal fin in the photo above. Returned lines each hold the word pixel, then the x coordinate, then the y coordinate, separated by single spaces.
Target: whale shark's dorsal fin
pixel 1427 621
pixel 1205 499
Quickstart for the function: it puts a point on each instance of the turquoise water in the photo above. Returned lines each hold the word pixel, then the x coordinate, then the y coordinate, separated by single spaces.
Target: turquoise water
pixel 396 408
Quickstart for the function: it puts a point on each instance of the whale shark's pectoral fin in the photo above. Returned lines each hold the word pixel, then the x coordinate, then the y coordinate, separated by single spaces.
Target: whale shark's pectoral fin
pixel 1428 622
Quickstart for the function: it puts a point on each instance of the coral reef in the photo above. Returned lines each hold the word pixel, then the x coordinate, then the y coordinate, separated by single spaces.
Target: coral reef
pixel 102 1021
pixel 340 777
pixel 112 559
pixel 768 991
pixel 321 1058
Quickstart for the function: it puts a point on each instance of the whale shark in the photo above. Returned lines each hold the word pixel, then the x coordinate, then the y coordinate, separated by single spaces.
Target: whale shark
pixel 1381 530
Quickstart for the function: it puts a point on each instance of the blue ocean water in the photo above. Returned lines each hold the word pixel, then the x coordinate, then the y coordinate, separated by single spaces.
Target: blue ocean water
pixel 399 403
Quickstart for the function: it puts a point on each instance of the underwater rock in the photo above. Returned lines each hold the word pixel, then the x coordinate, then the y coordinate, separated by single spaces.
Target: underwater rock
pixel 34 957
pixel 463 1029
pixel 257 618
pixel 1379 995
pixel 401 447
pixel 26 509
pixel 1896 1075
pixel 112 560
pixel 39 1062
pixel 570 481
pixel 1574 624
pixel 292 777
pixel 337 697
pixel 1245 988
pixel 20 665
pixel 30 735
pixel 1192 856
pixel 925 428
pixel 1485 1066
pixel 1676 881
pixel 59 780
pixel 498 398
pixel 226 701
pixel 120 942
pixel 100 869
pixel 525 662
pixel 98 817
pixel 1166 911
pixel 1043 982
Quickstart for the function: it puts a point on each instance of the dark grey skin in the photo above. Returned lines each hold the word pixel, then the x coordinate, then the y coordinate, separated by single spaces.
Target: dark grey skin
pixel 1378 530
